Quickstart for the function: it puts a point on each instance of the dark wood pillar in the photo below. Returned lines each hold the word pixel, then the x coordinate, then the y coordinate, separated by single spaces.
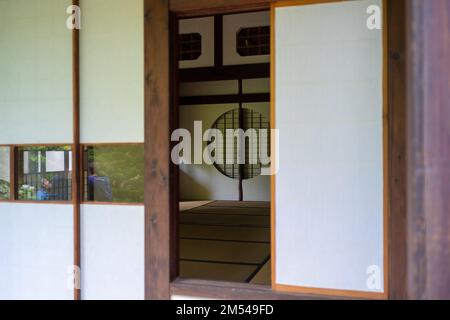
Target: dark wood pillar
pixel 397 147
pixel 428 142
pixel 157 149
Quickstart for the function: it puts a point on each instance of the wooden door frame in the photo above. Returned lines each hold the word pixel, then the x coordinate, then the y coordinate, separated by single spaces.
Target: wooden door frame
pixel 161 193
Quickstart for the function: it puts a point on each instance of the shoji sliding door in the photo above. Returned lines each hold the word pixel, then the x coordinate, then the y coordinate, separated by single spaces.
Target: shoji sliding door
pixel 329 191
pixel 36 232
pixel 112 135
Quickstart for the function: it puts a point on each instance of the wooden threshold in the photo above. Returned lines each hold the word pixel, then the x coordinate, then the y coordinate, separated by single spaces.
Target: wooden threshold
pixel 235 291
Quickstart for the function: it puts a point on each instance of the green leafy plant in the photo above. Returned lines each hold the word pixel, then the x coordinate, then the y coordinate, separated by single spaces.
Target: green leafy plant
pixel 27 192
pixel 4 190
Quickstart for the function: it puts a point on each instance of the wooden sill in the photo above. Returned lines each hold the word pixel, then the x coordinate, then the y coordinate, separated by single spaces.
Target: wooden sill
pixel 36 202
pixel 96 203
pixel 235 291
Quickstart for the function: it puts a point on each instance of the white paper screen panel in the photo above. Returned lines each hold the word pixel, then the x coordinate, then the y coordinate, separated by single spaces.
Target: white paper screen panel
pixel 112 71
pixel 329 109
pixel 36 247
pixel 35 72
pixel 112 252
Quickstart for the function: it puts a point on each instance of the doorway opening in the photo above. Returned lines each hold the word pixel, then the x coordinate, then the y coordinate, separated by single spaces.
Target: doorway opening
pixel 222 85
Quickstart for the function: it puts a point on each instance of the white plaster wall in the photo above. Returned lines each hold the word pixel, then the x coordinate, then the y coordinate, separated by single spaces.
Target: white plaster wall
pixel 329 189
pixel 259 85
pixel 112 71
pixel 205 182
pixel 232 23
pixel 204 26
pixel 35 72
pixel 36 251
pixel 112 252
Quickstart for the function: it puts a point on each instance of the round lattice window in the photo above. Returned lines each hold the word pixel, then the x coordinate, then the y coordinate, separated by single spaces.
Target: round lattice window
pixel 260 144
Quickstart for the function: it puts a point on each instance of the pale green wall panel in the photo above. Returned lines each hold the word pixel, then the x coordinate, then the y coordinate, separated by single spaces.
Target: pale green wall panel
pixel 35 72
pixel 112 71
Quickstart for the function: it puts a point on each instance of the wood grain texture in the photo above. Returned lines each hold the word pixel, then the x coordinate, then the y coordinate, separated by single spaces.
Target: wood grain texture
pixel 397 149
pixel 236 291
pixel 76 158
pixel 157 149
pixel 190 8
pixel 428 138
pixel 12 173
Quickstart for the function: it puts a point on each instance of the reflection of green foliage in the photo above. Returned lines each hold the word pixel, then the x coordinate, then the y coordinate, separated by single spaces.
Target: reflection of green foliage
pixel 124 165
pixel 4 190
pixel 27 193
pixel 33 152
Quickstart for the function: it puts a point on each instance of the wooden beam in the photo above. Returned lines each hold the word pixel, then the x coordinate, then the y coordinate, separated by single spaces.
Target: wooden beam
pixel 189 8
pixel 250 71
pixel 428 136
pixel 232 98
pixel 76 158
pixel 397 148
pixel 157 149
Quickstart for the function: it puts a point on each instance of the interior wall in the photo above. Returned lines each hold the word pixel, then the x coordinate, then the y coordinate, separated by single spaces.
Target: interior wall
pixel 112 71
pixel 36 72
pixel 329 110
pixel 112 252
pixel 232 23
pixel 205 182
pixel 36 248
pixel 205 27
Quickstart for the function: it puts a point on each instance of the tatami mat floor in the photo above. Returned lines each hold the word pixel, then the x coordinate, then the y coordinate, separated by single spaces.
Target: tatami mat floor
pixel 225 241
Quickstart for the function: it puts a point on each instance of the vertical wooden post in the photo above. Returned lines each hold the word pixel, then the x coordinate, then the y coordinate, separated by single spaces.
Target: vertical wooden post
pixel 12 173
pixel 76 158
pixel 428 138
pixel 174 169
pixel 397 148
pixel 157 149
